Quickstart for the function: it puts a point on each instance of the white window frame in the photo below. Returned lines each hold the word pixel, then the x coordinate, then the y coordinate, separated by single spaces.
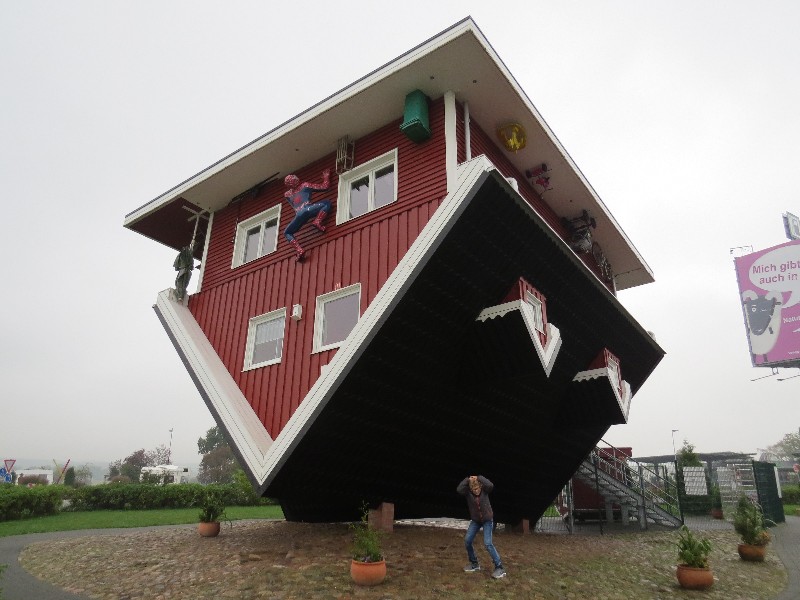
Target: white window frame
pixel 368 168
pixel 252 325
pixel 616 373
pixel 319 314
pixel 538 314
pixel 242 228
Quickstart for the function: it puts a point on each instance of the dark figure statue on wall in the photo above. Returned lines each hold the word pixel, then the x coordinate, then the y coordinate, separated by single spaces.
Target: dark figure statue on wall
pixel 298 195
pixel 184 264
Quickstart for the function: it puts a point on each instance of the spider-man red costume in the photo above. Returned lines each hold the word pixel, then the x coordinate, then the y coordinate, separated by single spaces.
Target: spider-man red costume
pixel 299 198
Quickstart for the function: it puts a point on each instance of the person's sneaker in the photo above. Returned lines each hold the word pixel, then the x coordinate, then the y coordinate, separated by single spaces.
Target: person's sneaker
pixel 472 567
pixel 498 572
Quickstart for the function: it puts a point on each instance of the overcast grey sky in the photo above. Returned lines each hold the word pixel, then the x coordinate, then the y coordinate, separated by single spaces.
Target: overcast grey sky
pixel 682 115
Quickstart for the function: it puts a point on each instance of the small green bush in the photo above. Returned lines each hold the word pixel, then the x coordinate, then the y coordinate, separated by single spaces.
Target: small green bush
pixel 366 540
pixel 212 508
pixel 693 552
pixel 749 522
pixel 19 502
pixel 791 494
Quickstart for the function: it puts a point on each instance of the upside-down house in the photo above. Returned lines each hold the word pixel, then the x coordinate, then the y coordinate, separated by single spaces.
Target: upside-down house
pixel 454 313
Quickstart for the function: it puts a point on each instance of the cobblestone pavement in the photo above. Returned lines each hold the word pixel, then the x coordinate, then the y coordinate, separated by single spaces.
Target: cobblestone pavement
pixel 18 584
pixel 159 554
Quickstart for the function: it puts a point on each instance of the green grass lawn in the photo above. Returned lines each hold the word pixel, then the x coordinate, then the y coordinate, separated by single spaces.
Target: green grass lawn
pixel 104 519
pixel 790 509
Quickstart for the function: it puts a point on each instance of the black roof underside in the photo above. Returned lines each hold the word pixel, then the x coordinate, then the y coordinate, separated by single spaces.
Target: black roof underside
pixel 436 396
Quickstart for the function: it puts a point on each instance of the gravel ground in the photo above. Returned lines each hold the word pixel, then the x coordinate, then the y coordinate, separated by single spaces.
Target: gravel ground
pixel 282 561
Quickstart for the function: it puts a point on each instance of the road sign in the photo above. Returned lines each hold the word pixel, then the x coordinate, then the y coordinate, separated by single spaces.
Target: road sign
pixel 10 464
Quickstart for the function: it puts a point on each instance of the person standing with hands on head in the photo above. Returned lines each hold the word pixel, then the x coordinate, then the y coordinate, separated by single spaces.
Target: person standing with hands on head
pixel 476 489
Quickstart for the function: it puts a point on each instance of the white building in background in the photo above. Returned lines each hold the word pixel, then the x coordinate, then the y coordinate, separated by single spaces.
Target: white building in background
pixel 46 473
pixel 166 474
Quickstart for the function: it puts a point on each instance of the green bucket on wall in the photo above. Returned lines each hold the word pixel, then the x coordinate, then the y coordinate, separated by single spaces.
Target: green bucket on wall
pixel 416 125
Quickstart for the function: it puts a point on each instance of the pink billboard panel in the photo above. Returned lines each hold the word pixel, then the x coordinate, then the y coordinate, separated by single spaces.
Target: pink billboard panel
pixel 769 289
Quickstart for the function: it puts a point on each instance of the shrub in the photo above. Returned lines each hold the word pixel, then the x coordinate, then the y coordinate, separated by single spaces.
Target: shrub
pixel 791 494
pixel 749 522
pixel 132 496
pixel 693 552
pixel 366 540
pixel 212 508
pixel 18 502
pixel 69 477
pixel 142 496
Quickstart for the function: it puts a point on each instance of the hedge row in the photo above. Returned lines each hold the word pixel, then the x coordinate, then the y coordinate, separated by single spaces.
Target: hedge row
pixel 18 502
pixel 138 496
pixel 21 502
pixel 791 494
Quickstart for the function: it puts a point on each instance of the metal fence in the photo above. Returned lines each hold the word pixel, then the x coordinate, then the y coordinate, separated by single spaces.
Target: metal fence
pixel 611 490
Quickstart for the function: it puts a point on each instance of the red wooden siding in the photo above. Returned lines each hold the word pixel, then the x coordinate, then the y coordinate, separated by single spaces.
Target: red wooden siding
pixel 364 250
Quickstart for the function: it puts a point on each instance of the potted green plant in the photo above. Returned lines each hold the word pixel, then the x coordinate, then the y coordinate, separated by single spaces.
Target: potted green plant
pixel 368 566
pixel 212 509
pixel 750 524
pixel 693 571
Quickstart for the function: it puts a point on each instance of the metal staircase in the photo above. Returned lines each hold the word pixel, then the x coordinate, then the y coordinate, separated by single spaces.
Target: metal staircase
pixel 637 488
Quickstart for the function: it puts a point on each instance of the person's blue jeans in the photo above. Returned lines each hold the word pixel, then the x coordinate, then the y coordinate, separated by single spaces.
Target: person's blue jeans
pixel 472 531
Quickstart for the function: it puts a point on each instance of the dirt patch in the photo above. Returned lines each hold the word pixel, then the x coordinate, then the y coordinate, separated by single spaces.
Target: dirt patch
pixel 282 561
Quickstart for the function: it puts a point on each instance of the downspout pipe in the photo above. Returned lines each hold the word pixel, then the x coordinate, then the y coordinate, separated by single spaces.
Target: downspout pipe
pixel 468 148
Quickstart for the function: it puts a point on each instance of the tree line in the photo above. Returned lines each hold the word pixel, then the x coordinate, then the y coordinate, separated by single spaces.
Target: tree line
pixel 218 463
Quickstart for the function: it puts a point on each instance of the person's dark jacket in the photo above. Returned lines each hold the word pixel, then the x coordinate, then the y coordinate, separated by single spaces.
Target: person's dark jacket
pixel 480 509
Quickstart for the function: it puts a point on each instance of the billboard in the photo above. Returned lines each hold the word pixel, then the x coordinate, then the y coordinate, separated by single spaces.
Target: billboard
pixel 769 289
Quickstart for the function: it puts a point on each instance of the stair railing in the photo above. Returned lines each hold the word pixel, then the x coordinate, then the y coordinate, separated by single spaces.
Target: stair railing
pixel 646 481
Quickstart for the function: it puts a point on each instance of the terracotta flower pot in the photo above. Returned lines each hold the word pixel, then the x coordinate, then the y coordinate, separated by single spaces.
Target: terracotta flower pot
pixel 208 529
pixel 364 573
pixel 752 553
pixel 692 578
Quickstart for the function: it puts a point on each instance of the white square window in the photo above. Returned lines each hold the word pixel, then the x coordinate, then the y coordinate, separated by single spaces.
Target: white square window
pixel 265 339
pixel 538 316
pixel 367 187
pixel 335 316
pixel 256 236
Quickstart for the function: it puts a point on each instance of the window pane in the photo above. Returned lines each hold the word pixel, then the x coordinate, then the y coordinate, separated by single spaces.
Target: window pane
pixel 359 197
pixel 268 344
pixel 384 186
pixel 270 237
pixel 251 244
pixel 340 316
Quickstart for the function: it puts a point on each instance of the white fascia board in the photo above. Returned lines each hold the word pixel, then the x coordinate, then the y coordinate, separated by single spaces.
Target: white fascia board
pixel 220 391
pixel 337 98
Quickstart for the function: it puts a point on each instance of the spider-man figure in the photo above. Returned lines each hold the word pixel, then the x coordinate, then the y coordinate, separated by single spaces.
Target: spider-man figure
pixel 299 198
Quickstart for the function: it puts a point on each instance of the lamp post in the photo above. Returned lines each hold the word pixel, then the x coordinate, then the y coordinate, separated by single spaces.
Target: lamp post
pixel 674 453
pixel 169 452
